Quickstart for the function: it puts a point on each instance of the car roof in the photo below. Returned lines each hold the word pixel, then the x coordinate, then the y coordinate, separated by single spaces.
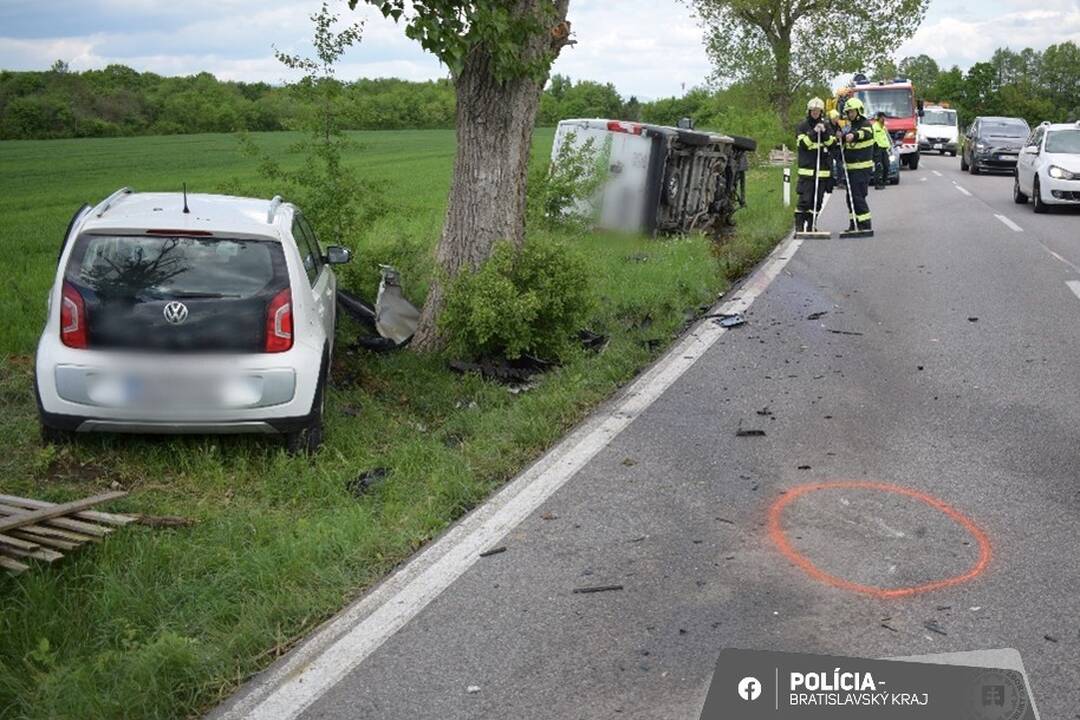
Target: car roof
pixel 127 211
pixel 1062 126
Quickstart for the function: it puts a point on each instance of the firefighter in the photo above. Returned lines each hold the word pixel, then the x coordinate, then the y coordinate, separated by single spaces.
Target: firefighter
pixel 835 154
pixel 859 159
pixel 882 145
pixel 814 141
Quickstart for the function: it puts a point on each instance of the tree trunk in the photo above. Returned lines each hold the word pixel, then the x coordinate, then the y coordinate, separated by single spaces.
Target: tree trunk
pixel 782 88
pixel 487 193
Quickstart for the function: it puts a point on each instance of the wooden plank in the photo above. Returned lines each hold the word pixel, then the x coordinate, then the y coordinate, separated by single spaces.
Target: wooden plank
pixel 17 543
pixel 41 554
pixel 56 511
pixel 12 566
pixel 45 541
pixel 62 522
pixel 92 515
pixel 42 531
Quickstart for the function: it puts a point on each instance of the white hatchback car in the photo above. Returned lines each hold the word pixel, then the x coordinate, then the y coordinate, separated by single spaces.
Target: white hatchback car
pixel 176 313
pixel 1048 170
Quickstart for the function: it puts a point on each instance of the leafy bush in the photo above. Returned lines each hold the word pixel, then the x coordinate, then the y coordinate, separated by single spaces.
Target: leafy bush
pixel 532 301
pixel 558 193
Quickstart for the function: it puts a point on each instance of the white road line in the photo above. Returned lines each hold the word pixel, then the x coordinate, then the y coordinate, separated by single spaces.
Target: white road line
pixel 1009 223
pixel 963 190
pixel 936 173
pixel 344 643
pixel 1074 285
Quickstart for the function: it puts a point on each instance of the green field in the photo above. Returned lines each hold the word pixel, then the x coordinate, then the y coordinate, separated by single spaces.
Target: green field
pixel 163 623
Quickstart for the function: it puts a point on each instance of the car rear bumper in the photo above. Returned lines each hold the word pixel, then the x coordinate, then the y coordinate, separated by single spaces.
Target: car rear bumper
pixel 87 391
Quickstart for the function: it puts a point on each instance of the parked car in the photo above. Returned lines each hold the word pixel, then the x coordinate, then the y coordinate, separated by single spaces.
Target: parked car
pixel 659 178
pixel 172 313
pixel 1049 167
pixel 993 143
pixel 938 130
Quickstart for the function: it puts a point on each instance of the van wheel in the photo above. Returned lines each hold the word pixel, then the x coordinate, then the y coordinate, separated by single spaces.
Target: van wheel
pixel 308 439
pixel 744 143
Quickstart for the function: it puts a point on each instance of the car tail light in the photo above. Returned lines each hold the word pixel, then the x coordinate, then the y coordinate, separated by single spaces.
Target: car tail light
pixel 279 323
pixel 72 317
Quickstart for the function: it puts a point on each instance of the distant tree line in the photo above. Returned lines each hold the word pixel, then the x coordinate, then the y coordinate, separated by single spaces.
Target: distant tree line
pixel 117 100
pixel 1030 84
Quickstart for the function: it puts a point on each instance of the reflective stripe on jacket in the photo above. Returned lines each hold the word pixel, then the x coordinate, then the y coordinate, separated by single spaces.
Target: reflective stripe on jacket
pixel 859 154
pixel 807 142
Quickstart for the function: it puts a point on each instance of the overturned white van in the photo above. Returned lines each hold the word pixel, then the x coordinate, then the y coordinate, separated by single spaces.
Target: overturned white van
pixel 662 179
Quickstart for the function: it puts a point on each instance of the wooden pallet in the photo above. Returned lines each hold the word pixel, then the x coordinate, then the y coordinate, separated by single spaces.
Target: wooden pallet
pixel 38 530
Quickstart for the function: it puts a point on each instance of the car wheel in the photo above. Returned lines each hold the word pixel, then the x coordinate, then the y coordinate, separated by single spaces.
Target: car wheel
pixel 308 439
pixel 963 163
pixel 1036 195
pixel 913 163
pixel 1018 197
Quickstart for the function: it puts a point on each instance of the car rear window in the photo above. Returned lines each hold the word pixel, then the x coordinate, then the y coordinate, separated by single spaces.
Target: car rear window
pixel 1063 141
pixel 156 268
pixel 1005 128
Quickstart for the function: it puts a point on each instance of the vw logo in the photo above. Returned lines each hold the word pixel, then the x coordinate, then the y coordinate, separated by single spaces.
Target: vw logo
pixel 176 312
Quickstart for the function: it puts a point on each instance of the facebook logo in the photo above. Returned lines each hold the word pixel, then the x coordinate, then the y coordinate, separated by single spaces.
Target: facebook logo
pixel 749 688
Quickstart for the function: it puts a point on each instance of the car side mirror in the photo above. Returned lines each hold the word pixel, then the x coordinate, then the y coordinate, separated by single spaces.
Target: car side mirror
pixel 1032 149
pixel 337 255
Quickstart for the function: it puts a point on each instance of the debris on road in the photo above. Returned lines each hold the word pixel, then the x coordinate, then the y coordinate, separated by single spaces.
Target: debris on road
pixel 1050 638
pixel 472 689
pixel 549 516
pixel 842 332
pixel 39 530
pixel 730 320
pixel 765 412
pixel 817 315
pixel 803 467
pixel 365 480
pixel 749 432
pixel 493 551
pixel 932 626
pixel 629 462
pixel 973 319
pixel 597 589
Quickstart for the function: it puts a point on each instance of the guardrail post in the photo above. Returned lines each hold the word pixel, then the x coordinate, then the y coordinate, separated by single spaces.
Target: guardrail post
pixel 787 187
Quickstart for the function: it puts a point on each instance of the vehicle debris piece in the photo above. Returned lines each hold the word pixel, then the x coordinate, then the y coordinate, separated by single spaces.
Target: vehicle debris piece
pixel 493 551
pixel 592 341
pixel 817 315
pixel 730 320
pixel 932 626
pixel 472 689
pixel 366 480
pixel 597 589
pixel 393 317
pixel 39 530
pixel 748 432
pixel 510 372
pixel 842 332
pixel 1050 638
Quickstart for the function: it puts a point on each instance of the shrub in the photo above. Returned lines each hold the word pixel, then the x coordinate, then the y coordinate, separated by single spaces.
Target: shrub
pixel 532 301
pixel 559 193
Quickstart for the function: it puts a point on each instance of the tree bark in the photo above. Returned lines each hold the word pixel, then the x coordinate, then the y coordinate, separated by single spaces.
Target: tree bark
pixel 487 193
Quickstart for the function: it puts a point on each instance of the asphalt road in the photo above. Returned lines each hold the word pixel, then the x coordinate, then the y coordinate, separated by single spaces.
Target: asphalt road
pixel 944 366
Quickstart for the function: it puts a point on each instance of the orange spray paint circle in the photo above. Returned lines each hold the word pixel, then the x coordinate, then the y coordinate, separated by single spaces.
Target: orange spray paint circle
pixel 780 539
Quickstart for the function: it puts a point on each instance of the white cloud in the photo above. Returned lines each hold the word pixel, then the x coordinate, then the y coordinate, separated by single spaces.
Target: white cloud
pixel 958 40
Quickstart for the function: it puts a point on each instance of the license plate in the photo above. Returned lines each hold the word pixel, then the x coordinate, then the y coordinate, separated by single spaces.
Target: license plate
pixel 1007 156
pixel 937 146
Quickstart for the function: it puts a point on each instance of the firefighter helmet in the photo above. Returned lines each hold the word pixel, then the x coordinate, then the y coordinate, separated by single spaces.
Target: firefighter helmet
pixel 854 104
pixel 815 104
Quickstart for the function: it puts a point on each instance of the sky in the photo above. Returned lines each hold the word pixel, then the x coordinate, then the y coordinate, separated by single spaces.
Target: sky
pixel 647 48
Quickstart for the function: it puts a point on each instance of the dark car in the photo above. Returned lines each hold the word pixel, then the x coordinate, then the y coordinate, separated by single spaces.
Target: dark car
pixel 993 144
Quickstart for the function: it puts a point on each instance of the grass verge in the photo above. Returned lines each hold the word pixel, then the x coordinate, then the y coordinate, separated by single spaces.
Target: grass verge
pixel 163 623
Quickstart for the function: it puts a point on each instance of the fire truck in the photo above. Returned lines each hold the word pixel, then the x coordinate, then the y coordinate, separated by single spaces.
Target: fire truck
pixel 895 98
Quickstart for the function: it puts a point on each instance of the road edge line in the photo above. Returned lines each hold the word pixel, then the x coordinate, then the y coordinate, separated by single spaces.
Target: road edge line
pixel 288 688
